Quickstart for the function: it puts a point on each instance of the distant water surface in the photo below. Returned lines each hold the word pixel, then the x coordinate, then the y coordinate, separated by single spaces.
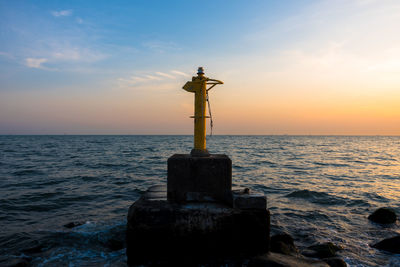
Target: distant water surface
pixel 319 188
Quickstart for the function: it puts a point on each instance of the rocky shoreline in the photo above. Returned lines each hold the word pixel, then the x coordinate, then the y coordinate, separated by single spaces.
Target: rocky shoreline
pixel 283 251
pixel 317 254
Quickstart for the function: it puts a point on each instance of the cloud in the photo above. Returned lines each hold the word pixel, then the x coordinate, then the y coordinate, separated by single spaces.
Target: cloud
pixel 62 13
pixel 151 77
pixel 69 49
pixel 67 54
pixel 180 73
pixel 147 78
pixel 75 53
pixel 57 52
pixel 35 62
pixel 6 55
pixel 132 80
pixel 165 75
pixel 161 46
pixel 387 66
pixel 63 56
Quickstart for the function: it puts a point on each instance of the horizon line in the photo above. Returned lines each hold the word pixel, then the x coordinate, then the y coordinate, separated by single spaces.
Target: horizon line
pixel 343 135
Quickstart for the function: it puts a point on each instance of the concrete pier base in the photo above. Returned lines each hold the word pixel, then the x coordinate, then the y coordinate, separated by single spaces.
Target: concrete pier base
pixel 163 232
pixel 199 179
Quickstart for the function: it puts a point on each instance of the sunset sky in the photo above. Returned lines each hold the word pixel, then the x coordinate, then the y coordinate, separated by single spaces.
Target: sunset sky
pixel 118 67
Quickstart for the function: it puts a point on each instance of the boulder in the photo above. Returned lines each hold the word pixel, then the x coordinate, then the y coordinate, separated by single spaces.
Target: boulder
pixel 115 244
pixel 323 250
pixel 335 262
pixel 35 249
pixel 383 216
pixel 279 260
pixel 72 224
pixel 283 243
pixel 390 245
pixel 19 262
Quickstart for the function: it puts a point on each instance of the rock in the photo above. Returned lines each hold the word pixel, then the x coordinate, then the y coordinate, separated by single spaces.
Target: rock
pixel 324 250
pixel 115 244
pixel 22 262
pixel 241 191
pixel 390 245
pixel 284 244
pixel 279 260
pixel 35 249
pixel 114 238
pixel 72 224
pixel 335 262
pixel 383 216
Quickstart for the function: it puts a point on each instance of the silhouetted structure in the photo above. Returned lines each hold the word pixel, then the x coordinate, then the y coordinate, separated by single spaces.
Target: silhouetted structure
pixel 197 217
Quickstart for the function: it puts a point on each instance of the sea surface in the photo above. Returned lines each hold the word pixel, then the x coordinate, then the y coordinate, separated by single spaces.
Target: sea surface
pixel 319 188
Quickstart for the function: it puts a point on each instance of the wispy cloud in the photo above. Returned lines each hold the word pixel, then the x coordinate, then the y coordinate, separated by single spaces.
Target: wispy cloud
pixel 161 46
pixel 180 73
pixel 166 75
pixel 62 13
pixel 65 47
pixel 6 55
pixel 155 77
pixel 62 52
pixel 35 62
pixel 63 56
pixel 67 54
pixel 151 77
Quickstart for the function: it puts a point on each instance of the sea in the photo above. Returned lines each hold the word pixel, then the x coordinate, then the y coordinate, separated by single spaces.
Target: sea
pixel 319 189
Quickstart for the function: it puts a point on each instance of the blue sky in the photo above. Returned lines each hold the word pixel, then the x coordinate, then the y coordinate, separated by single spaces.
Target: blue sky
pixel 131 34
pixel 83 66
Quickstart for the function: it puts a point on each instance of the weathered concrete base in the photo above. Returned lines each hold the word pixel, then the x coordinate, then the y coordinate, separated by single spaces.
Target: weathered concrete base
pixel 199 153
pixel 244 199
pixel 162 232
pixel 199 178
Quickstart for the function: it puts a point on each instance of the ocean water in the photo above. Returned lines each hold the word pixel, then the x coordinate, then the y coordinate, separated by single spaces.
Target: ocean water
pixel 319 188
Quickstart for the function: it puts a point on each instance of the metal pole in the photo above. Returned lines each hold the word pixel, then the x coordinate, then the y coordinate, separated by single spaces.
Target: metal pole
pixel 198 86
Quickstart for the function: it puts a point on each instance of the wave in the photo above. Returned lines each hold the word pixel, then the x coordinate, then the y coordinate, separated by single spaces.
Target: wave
pixel 99 177
pixel 266 162
pixel 266 189
pixel 295 167
pixel 376 197
pixel 331 164
pixel 357 203
pixel 109 165
pixel 27 172
pixel 310 216
pixel 40 207
pixel 317 197
pixel 85 244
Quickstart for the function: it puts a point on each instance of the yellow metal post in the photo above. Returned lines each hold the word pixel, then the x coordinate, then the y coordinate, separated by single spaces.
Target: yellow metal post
pixel 198 86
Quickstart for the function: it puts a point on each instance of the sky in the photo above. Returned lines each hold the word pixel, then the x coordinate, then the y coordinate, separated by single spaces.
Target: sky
pixel 117 67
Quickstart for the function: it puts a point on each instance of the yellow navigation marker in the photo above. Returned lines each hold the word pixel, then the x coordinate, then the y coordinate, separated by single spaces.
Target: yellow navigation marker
pixel 198 86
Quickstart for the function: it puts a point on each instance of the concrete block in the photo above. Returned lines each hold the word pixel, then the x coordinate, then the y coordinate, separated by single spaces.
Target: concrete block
pixel 161 232
pixel 244 199
pixel 249 201
pixel 199 179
